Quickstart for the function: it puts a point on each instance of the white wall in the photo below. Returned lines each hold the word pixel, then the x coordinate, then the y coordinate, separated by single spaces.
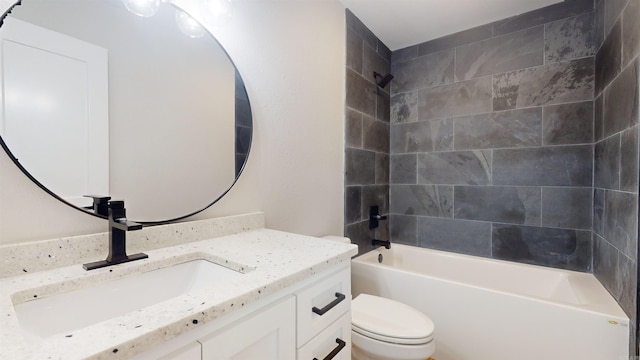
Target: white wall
pixel 291 55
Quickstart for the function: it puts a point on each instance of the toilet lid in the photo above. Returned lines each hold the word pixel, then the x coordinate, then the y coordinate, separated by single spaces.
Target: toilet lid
pixel 389 320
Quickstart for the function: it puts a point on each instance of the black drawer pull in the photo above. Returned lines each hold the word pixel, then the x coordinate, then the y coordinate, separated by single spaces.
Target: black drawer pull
pixel 332 354
pixel 339 298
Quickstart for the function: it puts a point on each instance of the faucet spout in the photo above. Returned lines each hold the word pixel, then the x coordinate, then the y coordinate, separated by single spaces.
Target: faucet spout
pixel 118 227
pixel 125 225
pixel 385 243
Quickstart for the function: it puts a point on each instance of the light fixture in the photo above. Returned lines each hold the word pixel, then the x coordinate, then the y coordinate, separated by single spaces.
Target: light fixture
pixel 188 25
pixel 144 8
pixel 217 12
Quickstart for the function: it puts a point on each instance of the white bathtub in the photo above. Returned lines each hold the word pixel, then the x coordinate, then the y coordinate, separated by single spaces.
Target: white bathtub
pixel 486 309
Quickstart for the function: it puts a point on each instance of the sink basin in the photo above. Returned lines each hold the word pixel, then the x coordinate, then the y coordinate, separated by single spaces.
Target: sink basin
pixel 73 310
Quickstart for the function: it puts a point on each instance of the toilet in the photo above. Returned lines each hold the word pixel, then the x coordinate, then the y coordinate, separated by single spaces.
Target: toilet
pixel 385 329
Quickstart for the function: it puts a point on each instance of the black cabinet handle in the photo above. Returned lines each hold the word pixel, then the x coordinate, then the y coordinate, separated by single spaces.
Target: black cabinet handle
pixel 332 354
pixel 339 298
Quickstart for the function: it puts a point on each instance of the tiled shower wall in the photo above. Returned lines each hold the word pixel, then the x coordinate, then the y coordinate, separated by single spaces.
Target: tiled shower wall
pixel 492 139
pixel 367 134
pixel 615 218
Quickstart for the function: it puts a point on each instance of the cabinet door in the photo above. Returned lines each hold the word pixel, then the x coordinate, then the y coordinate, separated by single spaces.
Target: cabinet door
pixel 268 334
pixel 331 295
pixel 190 352
pixel 333 343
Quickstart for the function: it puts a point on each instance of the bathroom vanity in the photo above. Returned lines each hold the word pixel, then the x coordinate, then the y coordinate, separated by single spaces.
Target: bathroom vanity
pixel 269 304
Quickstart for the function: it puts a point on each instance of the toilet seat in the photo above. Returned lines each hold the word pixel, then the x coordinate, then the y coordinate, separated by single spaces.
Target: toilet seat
pixel 390 321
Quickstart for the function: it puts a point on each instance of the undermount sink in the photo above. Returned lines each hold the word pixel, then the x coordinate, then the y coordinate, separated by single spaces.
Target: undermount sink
pixel 73 310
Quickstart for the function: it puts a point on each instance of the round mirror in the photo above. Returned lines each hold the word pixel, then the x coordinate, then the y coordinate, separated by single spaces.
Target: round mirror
pixel 97 100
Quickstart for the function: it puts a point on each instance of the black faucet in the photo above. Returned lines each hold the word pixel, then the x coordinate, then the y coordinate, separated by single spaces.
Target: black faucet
pixel 118 227
pixel 385 243
pixel 374 217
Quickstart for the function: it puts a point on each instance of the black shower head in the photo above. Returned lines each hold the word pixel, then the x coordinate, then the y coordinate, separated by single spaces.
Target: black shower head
pixel 384 80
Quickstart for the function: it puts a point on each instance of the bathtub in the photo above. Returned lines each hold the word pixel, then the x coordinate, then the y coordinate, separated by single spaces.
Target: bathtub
pixel 486 309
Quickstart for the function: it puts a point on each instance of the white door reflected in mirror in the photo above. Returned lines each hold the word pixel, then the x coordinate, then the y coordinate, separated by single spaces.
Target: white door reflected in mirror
pixel 56 96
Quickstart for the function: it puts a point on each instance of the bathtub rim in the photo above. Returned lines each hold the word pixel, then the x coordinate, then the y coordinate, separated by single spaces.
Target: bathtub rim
pixel 600 301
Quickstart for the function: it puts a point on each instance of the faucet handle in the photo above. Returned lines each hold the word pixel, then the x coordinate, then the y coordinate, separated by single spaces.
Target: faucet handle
pixel 100 204
pixel 116 204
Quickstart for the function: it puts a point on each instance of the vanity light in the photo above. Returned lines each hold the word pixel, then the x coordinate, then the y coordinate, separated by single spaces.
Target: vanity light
pixel 144 8
pixel 188 25
pixel 217 12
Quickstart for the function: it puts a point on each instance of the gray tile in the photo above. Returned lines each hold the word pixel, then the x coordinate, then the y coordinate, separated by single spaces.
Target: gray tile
pixel 606 173
pixel 461 236
pixel 403 229
pixel 404 169
pixel 599 23
pixel 463 98
pixel 423 72
pixel 360 29
pixel 460 38
pixel 353 131
pixel 422 136
pixel 559 248
pixel 567 124
pixel 512 128
pixel 549 166
pixel 605 265
pixel 375 135
pixel 360 235
pixel 375 195
pixel 541 16
pixel 359 165
pixel 598 118
pixel 361 93
pixel 404 54
pixel 544 85
pixel 353 204
pixel 383 105
pixel 629 160
pixel 569 39
pixel 621 100
pixel 382 231
pixel 621 221
pixel 404 107
pixel 609 58
pixel 382 168
pixel 598 211
pixel 372 61
pixel 627 273
pixel 455 168
pixel 612 11
pixel 425 200
pixel 514 51
pixel 568 208
pixel 630 32
pixel 505 204
pixel 354 51
pixel 384 51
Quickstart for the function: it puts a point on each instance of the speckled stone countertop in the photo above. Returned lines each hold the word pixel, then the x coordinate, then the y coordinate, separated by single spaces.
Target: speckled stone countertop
pixel 270 260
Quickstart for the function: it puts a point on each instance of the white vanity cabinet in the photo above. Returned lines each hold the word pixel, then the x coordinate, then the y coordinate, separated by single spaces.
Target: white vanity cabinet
pixel 283 326
pixel 267 335
pixel 324 318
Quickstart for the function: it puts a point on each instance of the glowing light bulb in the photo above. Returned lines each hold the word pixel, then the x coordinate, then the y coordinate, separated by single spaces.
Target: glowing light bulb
pixel 217 12
pixel 188 25
pixel 144 8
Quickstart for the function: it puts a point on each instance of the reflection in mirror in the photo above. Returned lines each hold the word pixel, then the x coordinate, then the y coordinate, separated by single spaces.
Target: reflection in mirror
pixel 100 101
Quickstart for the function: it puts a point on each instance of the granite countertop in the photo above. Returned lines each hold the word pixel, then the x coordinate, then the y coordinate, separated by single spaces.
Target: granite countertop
pixel 270 260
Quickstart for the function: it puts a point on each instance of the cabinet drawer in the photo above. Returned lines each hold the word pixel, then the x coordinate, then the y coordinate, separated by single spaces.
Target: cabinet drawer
pixel 330 298
pixel 268 334
pixel 329 340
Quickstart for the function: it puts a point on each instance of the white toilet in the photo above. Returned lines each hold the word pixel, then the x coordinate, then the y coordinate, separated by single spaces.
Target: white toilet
pixel 384 329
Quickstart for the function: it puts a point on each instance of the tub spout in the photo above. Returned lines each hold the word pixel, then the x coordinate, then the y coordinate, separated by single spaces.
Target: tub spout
pixel 386 244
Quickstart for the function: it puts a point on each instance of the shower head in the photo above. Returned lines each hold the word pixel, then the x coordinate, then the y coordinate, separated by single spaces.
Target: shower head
pixel 382 81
